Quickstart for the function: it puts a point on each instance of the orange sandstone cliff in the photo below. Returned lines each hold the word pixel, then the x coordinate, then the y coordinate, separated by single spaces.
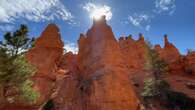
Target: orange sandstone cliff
pixel 106 74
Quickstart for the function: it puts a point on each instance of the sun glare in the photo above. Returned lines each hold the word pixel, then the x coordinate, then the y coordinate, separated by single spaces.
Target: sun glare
pixel 97 11
pixel 96 14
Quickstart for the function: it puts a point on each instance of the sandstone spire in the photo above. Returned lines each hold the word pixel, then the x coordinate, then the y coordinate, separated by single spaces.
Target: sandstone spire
pixel 166 41
pixel 102 20
pixel 47 51
pixel 141 38
pixel 169 53
pixel 99 61
pixel 50 37
pixel 45 56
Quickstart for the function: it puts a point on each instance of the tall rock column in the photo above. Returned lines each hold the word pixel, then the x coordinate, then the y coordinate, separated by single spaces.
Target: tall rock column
pixel 169 53
pixel 104 79
pixel 45 56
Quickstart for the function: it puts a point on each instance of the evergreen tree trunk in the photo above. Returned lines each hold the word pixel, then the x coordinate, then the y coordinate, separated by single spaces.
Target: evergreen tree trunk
pixel 2 97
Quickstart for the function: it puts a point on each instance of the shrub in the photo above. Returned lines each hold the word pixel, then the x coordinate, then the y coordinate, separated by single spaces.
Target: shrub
pixel 149 89
pixel 154 88
pixel 28 93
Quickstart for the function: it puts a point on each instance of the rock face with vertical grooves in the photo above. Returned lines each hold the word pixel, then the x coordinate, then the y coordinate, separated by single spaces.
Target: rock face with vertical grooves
pixel 105 84
pixel 47 51
pixel 134 52
pixel 45 56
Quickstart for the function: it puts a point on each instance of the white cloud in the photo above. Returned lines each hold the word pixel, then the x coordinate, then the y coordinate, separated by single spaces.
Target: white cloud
pixel 69 46
pixel 33 10
pixel 140 20
pixel 143 20
pixel 96 11
pixel 165 6
pixel 148 28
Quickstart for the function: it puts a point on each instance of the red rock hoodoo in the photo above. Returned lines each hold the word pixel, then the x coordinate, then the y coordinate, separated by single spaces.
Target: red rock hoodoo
pixel 134 59
pixel 106 74
pixel 45 56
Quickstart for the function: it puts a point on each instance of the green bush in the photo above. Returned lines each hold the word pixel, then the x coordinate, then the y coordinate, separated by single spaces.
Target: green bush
pixel 154 88
pixel 149 89
pixel 27 91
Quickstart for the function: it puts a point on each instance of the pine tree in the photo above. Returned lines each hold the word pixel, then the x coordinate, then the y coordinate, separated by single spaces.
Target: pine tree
pixel 155 86
pixel 17 42
pixel 15 71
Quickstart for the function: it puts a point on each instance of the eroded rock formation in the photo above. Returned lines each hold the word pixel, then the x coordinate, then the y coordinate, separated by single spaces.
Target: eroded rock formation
pixel 169 53
pixel 190 63
pixel 134 59
pixel 171 56
pixel 105 84
pixel 106 74
pixel 97 77
pixel 45 56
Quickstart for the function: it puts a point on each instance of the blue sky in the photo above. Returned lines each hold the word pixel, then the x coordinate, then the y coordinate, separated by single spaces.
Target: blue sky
pixel 153 18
